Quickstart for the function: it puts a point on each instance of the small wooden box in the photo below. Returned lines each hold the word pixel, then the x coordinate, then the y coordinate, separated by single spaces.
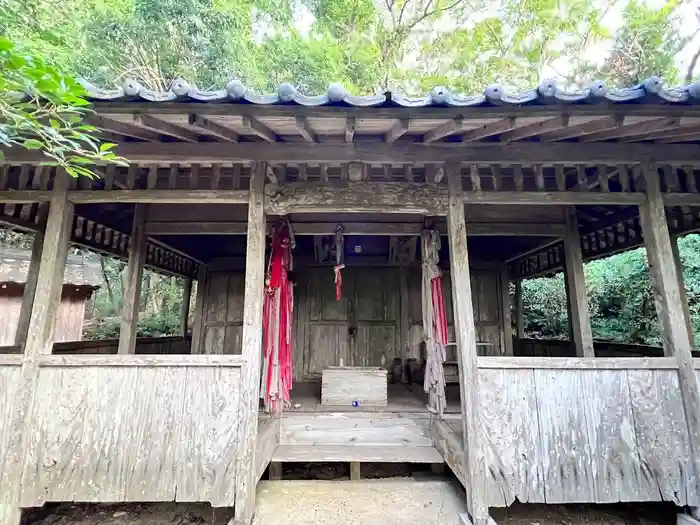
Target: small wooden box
pixel 342 385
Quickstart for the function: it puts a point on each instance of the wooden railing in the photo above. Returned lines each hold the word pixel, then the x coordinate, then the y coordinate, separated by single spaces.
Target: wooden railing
pixel 564 348
pixel 145 345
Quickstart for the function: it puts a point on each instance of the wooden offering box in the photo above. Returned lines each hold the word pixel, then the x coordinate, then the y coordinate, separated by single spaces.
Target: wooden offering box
pixel 343 385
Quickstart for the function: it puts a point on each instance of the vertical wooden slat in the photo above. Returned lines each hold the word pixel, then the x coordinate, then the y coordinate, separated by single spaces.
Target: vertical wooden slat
pixel 539 177
pixel 215 177
pixel 474 460
pixel 152 179
pixel 236 179
pixel 252 347
pixel 172 176
pixel 681 286
pixel 519 310
pixel 560 176
pixel 506 317
pixel 185 306
pixel 518 176
pixel 134 276
pixel 474 176
pixel 109 177
pixel 194 176
pixel 581 178
pixel 198 328
pixel 676 338
pixel 579 320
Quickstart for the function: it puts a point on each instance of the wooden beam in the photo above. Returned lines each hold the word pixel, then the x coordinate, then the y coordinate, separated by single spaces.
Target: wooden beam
pixel 677 341
pixel 397 153
pixel 32 280
pixel 305 129
pixel 474 458
pixel 252 339
pixel 185 305
pixel 122 128
pixel 183 196
pixel 134 277
pixel 681 287
pixel 489 130
pixel 561 121
pixel 577 363
pixel 209 127
pixel 355 228
pixel 561 198
pixel 579 320
pixel 443 130
pixel 386 197
pixel 258 128
pixel 681 199
pixel 595 126
pixel 399 128
pixel 164 128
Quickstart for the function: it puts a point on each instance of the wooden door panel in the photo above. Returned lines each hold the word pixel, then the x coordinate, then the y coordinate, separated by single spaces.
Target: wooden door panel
pixel 327 345
pixel 374 342
pixel 223 313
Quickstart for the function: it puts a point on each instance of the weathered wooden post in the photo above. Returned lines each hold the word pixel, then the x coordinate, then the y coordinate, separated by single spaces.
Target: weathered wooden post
pixel 185 306
pixel 134 277
pixel 252 348
pixel 579 320
pixel 676 338
pixel 506 316
pixel 519 314
pixel 474 459
pixel 39 339
pixel 681 287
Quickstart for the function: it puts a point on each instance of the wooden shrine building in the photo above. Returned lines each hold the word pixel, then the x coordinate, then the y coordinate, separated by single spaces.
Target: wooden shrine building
pixel 515 186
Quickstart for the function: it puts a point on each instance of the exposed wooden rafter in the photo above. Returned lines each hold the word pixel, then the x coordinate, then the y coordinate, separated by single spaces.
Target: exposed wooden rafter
pixel 349 129
pixel 122 128
pixel 210 127
pixel 640 128
pixel 587 128
pixel 305 129
pixel 443 130
pixel 258 128
pixel 164 128
pixel 489 130
pixel 399 128
pixel 558 122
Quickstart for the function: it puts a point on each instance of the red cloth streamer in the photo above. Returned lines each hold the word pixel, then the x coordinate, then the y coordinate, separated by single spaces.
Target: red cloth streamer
pixel 338 281
pixel 440 318
pixel 278 315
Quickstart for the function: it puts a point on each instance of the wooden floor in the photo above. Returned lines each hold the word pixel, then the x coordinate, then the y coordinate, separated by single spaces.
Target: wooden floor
pixel 306 397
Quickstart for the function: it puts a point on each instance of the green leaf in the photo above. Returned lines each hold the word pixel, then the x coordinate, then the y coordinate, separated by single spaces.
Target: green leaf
pixel 32 144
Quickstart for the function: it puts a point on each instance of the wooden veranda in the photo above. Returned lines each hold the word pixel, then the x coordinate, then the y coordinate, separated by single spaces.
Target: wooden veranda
pixel 519 186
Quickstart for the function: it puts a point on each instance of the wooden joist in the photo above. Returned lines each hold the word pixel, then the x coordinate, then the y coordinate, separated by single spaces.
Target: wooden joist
pixel 305 129
pixel 399 128
pixel 489 130
pixel 640 128
pixel 558 122
pixel 121 128
pixel 443 130
pixel 594 126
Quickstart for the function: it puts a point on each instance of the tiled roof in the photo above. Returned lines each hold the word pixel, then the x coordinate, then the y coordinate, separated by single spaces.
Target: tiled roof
pixel 651 91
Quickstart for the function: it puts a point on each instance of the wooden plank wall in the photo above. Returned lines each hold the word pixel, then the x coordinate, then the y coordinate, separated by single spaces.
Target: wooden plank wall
pixel 574 436
pixel 564 348
pixel 133 433
pixel 222 313
pixel 372 301
pixel 10 377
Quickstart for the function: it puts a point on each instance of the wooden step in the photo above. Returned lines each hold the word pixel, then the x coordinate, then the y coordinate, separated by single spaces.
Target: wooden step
pixel 359 453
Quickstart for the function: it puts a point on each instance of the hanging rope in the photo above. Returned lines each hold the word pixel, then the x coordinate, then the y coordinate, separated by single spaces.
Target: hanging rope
pixel 277 314
pixel 339 265
pixel 434 322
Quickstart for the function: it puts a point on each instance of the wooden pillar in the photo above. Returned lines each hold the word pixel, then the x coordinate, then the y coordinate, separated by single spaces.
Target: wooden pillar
pixel 474 459
pixel 39 340
pixel 196 346
pixel 681 287
pixel 519 314
pixel 134 277
pixel 32 278
pixel 185 306
pixel 506 316
pixel 252 339
pixel 669 303
pixel 579 319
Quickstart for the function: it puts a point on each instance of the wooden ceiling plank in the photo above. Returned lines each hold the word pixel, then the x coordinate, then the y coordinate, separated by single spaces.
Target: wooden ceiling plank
pixel 208 127
pixel 587 128
pixel 305 129
pixel 399 128
pixel 258 128
pixel 488 130
pixel 164 128
pixel 640 128
pixel 537 128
